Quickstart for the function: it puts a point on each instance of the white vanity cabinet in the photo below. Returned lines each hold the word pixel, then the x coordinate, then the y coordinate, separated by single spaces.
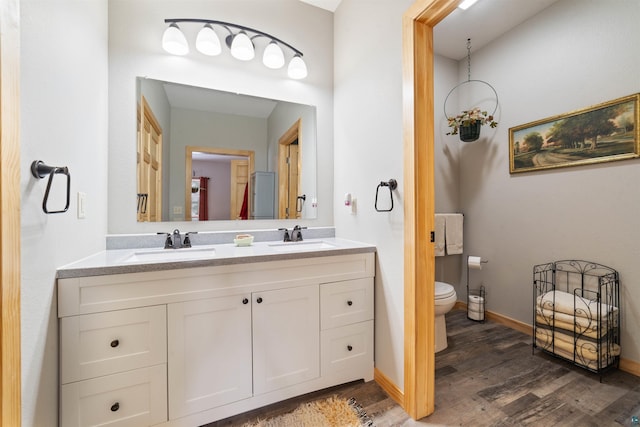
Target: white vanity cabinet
pixel 222 350
pixel 186 347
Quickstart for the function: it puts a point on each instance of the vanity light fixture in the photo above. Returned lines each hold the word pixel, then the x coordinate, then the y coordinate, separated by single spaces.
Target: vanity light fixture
pixel 466 4
pixel 239 40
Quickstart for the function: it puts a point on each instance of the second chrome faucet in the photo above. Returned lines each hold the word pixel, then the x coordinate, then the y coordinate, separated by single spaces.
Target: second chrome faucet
pixel 296 234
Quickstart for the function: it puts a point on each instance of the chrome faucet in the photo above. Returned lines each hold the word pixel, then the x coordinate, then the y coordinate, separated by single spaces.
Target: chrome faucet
pixel 296 233
pixel 176 241
pixel 286 237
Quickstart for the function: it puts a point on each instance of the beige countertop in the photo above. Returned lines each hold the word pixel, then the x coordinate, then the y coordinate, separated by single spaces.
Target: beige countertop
pixel 123 261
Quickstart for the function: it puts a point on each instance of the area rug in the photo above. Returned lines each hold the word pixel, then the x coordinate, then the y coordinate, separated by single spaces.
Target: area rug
pixel 330 412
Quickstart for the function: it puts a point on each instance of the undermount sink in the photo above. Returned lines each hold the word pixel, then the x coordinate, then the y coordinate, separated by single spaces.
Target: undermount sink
pixel 301 246
pixel 169 255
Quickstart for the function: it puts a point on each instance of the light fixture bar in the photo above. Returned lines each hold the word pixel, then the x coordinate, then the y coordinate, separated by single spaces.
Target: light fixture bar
pixel 228 25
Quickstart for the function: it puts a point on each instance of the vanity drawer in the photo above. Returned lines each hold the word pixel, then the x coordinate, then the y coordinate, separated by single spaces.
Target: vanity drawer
pixel 349 348
pixel 343 303
pixel 99 344
pixel 135 398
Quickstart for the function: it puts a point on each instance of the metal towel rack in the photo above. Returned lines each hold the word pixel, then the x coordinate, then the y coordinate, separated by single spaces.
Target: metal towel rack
pixel 40 170
pixel 392 184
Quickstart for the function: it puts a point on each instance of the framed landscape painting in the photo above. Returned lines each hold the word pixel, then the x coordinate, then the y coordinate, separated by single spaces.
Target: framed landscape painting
pixel 601 133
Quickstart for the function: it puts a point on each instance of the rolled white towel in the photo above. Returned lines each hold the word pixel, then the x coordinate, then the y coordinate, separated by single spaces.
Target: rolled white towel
pixel 439 235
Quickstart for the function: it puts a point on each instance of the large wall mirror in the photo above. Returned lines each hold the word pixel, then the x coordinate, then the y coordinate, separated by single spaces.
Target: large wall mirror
pixel 205 154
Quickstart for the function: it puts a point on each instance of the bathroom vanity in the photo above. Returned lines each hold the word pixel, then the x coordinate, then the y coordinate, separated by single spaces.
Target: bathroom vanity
pixel 190 341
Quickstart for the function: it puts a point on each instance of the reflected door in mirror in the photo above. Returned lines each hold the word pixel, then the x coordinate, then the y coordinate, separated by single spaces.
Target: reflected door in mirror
pixel 149 165
pixel 239 189
pixel 289 172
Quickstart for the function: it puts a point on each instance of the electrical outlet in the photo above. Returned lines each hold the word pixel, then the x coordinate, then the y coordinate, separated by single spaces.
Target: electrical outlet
pixel 82 205
pixel 177 210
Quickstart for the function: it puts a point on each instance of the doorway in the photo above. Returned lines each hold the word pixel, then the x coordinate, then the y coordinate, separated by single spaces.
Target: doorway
pixel 419 261
pixel 228 195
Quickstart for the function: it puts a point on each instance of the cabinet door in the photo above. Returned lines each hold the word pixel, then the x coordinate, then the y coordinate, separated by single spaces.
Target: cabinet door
pixel 209 344
pixel 286 337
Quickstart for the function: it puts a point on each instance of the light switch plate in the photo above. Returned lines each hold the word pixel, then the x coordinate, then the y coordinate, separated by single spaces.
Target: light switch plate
pixel 82 205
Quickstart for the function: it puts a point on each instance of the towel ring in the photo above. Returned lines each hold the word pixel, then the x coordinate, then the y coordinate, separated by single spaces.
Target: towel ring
pixel 392 184
pixel 40 170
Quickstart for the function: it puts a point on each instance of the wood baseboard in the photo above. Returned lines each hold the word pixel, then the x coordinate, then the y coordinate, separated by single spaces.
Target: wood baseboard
pixel 630 366
pixel 388 386
pixel 499 318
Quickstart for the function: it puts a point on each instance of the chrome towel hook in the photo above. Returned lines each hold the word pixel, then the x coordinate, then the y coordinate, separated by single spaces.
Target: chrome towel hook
pixel 40 170
pixel 392 184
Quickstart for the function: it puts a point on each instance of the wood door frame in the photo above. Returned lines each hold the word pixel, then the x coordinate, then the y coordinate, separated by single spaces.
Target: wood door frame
pixel 289 137
pixel 419 261
pixel 188 166
pixel 10 364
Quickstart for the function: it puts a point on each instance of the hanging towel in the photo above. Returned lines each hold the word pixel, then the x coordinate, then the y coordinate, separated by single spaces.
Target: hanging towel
pixel 453 233
pixel 439 235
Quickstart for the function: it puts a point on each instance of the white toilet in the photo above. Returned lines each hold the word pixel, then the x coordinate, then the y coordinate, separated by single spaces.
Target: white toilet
pixel 445 300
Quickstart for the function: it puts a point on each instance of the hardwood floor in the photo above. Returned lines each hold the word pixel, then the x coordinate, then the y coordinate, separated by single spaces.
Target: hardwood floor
pixel 488 376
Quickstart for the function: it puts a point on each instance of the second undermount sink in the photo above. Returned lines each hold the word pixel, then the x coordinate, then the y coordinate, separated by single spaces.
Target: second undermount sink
pixel 310 245
pixel 169 255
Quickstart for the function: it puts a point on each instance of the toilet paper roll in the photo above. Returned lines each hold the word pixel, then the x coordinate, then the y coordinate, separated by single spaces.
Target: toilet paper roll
pixel 474 262
pixel 475 315
pixel 476 299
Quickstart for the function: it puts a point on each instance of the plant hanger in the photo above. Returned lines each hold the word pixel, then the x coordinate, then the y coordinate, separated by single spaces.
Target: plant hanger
pixel 470 81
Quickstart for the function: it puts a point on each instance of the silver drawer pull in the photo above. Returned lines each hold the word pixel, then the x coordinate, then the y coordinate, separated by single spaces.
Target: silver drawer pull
pixel 114 343
pixel 115 407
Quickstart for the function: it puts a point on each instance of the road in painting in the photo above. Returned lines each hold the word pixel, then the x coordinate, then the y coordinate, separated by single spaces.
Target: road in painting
pixel 600 134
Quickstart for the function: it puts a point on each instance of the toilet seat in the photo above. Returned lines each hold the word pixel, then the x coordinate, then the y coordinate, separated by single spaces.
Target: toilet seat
pixel 444 290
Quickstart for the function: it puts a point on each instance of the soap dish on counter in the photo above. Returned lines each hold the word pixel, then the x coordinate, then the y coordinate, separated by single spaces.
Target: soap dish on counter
pixel 243 240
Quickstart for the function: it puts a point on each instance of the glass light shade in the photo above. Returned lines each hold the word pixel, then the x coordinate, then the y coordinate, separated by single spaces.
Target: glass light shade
pixel 207 41
pixel 273 56
pixel 242 47
pixel 174 42
pixel 466 4
pixel 297 68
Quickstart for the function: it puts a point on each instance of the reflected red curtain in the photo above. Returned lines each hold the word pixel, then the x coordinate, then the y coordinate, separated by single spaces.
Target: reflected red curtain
pixel 203 210
pixel 244 211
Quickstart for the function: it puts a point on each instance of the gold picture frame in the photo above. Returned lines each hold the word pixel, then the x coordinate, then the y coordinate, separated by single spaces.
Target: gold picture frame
pixel 601 133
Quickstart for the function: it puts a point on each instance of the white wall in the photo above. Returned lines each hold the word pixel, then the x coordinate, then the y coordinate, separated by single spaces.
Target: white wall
pixel 64 123
pixel 135 31
pixel 572 55
pixel 368 150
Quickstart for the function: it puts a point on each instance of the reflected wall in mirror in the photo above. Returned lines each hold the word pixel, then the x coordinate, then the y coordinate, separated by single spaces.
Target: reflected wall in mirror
pixel 205 154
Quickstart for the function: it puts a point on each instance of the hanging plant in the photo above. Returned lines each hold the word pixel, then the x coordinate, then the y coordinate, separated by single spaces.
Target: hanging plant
pixel 468 123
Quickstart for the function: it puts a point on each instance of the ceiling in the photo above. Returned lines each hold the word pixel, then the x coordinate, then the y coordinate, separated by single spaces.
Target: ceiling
pixel 482 23
pixel 214 101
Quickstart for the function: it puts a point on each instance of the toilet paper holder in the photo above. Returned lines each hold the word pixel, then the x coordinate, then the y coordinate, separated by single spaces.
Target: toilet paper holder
pixel 476 297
